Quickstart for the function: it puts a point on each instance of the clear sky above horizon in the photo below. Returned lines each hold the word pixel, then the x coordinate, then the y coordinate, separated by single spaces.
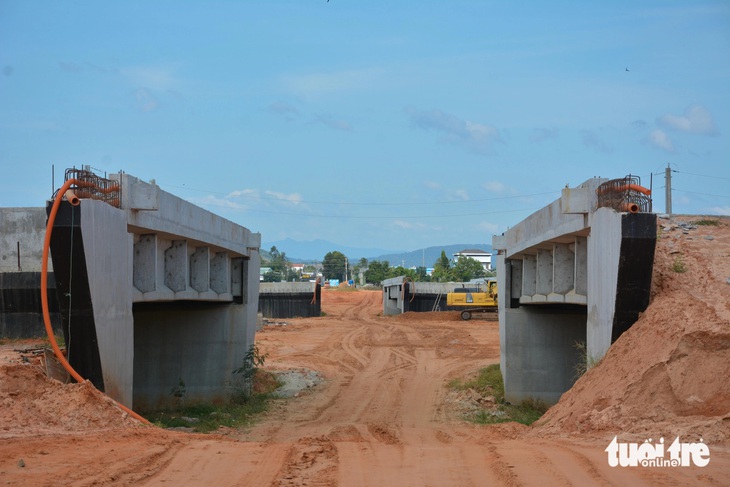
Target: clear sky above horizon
pixel 389 124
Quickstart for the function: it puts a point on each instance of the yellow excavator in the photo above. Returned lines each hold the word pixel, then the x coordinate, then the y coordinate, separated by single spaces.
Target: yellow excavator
pixel 480 299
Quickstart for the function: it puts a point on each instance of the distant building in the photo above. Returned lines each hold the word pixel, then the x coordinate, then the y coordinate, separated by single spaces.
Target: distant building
pixel 485 258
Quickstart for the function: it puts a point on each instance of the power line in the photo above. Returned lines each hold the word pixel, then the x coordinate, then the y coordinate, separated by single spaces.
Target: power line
pixel 702 194
pixel 702 175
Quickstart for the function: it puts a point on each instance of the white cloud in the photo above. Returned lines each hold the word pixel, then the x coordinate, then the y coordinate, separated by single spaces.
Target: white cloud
pixel 462 194
pixel 696 120
pixel 658 138
pixel 294 198
pixel 285 109
pixel 489 228
pixel 330 122
pixel 476 136
pixel 592 140
pixel 540 134
pixel 214 201
pixel 406 225
pixel 150 77
pixel 317 84
pixel 481 132
pixel 252 193
pixel 146 101
pixel 432 185
pixel 494 187
pixel 719 210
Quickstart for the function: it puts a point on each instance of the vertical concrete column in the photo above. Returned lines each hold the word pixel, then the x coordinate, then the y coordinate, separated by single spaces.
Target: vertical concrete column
pixel 578 295
pixel 515 283
pixel 176 266
pixel 544 280
pixel 219 273
pixel 563 272
pixel 109 252
pixel 529 278
pixel 505 288
pixel 145 263
pixel 200 269
pixel 252 266
pixel 604 249
pixel 237 279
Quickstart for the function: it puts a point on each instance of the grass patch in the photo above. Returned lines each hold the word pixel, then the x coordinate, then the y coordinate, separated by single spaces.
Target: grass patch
pixel 679 266
pixel 489 382
pixel 585 362
pixel 708 223
pixel 240 411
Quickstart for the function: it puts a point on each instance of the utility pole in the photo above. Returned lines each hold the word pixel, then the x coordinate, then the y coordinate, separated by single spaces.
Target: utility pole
pixel 668 189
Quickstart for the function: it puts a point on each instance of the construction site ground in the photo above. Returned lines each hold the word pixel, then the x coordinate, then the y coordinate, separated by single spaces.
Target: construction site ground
pixel 381 413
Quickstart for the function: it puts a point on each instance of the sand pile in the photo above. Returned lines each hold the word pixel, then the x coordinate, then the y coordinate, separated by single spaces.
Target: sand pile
pixel 31 404
pixel 669 374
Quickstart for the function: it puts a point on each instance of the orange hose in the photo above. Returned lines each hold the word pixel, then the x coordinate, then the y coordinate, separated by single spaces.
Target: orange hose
pixel 625 187
pixel 44 298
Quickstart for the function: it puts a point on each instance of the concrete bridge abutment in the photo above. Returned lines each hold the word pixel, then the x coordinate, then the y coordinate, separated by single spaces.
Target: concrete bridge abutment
pixel 572 277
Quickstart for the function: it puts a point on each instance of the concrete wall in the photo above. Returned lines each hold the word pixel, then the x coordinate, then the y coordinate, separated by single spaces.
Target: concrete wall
pixel 200 344
pixel 604 248
pixel 23 227
pixel 540 355
pixel 290 299
pixel 108 253
pixel 20 305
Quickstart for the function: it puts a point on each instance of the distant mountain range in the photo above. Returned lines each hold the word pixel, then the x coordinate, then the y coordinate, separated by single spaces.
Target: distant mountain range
pixel 315 250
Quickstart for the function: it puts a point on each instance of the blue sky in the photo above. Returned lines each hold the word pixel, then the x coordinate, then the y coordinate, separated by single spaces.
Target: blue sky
pixel 390 124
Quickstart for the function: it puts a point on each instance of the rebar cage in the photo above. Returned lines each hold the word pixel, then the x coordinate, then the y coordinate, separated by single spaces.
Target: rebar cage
pixel 89 185
pixel 625 195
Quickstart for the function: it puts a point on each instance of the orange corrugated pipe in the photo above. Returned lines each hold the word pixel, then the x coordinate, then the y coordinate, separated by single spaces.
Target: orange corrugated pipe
pixel 44 297
pixel 625 187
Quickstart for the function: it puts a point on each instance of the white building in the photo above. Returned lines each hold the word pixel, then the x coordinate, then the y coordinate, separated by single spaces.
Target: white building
pixel 485 258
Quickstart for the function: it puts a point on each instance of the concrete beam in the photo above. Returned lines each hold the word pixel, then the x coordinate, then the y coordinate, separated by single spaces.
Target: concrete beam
pixel 176 266
pixel 145 263
pixel 220 279
pixel 200 269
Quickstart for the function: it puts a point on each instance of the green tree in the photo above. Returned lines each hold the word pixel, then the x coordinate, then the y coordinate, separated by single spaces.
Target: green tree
pixel 421 275
pixel 377 271
pixel 279 262
pixel 442 268
pixel 401 271
pixel 272 276
pixel 334 266
pixel 466 269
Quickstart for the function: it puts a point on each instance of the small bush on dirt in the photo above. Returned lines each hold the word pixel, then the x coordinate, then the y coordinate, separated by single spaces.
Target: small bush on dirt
pixel 250 392
pixel 585 361
pixel 679 266
pixel 489 382
pixel 206 417
pixel 242 386
pixel 708 223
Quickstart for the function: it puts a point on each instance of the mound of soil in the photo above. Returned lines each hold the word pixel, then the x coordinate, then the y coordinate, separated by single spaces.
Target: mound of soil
pixel 668 374
pixel 32 404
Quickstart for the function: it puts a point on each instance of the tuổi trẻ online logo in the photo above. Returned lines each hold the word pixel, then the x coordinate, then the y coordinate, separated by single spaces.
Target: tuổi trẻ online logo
pixel 650 454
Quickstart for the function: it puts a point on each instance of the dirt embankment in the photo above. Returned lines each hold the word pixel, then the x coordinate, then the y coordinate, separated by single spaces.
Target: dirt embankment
pixel 382 416
pixel 669 374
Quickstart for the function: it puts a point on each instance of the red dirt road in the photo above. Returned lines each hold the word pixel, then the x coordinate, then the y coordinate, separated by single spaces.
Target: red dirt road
pixel 379 419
